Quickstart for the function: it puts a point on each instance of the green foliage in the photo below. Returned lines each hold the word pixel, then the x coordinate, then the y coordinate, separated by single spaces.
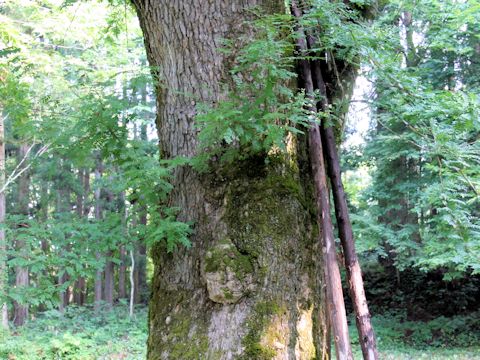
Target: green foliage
pixel 82 237
pixel 79 334
pixel 441 332
pixel 422 207
pixel 439 339
pixel 149 184
pixel 261 106
pixel 77 85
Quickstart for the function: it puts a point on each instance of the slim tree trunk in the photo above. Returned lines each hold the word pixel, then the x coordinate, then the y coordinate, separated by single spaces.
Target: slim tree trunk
pixel 122 268
pixel 79 293
pixel 80 283
pixel 86 191
pixel 335 302
pixel 122 272
pixel 98 255
pixel 109 270
pixel 132 283
pixel 109 279
pixel 21 273
pixel 3 245
pixel 250 286
pixel 352 265
pixel 142 287
pixel 64 206
pixel 140 276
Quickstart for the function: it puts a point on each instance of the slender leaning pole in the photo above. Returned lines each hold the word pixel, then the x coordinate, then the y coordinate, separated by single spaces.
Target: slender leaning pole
pixel 335 301
pixel 352 265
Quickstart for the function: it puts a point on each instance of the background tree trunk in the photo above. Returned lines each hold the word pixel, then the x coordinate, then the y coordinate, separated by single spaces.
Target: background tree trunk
pixel 250 287
pixel 140 273
pixel 109 279
pixel 21 273
pixel 122 271
pixel 98 217
pixel 141 263
pixel 3 245
pixel 80 283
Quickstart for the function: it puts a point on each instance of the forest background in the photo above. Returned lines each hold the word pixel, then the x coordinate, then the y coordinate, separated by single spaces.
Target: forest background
pixel 86 189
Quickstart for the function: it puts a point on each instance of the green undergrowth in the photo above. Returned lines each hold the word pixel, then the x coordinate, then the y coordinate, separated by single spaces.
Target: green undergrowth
pixel 440 338
pixel 79 334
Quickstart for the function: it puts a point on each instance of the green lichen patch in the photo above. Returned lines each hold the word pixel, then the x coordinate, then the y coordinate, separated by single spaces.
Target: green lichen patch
pixel 258 329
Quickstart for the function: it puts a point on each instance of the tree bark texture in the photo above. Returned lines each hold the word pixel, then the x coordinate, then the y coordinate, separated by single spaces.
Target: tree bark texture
pixel 251 285
pixel 21 273
pixel 3 245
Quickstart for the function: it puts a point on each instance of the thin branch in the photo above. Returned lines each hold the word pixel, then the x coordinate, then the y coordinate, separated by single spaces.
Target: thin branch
pixel 19 170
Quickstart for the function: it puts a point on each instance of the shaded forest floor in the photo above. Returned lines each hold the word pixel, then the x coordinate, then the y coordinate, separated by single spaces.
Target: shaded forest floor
pixel 80 335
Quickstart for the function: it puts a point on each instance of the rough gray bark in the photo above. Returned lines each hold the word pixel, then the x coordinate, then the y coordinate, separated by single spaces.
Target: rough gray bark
pixel 3 245
pixel 21 273
pixel 250 286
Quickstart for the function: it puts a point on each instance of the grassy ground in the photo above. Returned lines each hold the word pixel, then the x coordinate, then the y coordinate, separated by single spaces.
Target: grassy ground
pixel 112 335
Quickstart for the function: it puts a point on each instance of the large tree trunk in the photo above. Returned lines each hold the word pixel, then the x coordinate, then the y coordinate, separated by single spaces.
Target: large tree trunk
pixel 21 272
pixel 251 285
